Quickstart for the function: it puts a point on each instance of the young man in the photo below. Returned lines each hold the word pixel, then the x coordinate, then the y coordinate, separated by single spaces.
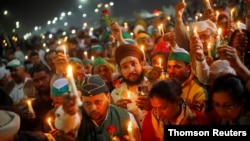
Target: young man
pixel 130 60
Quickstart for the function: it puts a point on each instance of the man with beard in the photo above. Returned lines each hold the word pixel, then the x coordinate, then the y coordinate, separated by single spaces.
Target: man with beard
pixel 43 102
pixel 178 66
pixel 101 121
pixel 130 60
pixel 21 86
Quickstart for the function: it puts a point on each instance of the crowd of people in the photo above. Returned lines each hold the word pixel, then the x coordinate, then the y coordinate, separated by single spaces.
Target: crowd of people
pixel 128 87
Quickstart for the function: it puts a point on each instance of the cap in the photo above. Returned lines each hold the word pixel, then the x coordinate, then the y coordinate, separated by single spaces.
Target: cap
pixel 94 85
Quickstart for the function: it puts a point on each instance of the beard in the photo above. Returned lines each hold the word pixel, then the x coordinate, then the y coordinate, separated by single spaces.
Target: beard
pixel 134 82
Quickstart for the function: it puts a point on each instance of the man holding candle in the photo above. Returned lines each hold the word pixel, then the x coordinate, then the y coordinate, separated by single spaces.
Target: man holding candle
pixel 98 114
pixel 130 60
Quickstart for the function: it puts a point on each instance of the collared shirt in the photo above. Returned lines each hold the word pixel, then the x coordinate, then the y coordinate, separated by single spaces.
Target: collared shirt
pixel 17 94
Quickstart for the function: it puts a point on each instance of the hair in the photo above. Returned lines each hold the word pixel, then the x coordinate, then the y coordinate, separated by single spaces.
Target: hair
pixel 169 89
pixel 47 53
pixel 164 54
pixel 34 53
pixel 232 85
pixel 40 68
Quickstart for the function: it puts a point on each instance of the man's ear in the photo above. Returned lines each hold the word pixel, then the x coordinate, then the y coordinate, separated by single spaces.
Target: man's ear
pixel 109 97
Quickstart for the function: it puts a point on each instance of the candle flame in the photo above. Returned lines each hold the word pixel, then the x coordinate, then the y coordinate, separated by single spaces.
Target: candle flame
pixel 129 126
pixel 129 94
pixel 85 52
pixel 219 31
pixel 29 102
pixel 142 48
pixel 49 120
pixel 69 70
pixel 209 46
pixel 160 61
pixel 92 58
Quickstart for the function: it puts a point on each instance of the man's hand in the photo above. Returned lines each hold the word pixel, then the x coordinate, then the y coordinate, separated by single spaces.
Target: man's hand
pixel 116 31
pixel 123 102
pixel 196 46
pixel 240 42
pixel 179 9
pixel 69 104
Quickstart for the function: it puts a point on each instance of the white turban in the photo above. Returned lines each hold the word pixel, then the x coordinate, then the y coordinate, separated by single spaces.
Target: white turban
pixel 204 25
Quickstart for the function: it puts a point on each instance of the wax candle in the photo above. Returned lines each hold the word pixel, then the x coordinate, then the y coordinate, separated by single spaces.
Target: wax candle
pixel 160 62
pixel 72 85
pixel 130 132
pixel 92 58
pixel 208 5
pixel 188 30
pixel 218 37
pixel 232 14
pixel 64 50
pixel 129 95
pixel 30 106
pixel 142 49
pixel 50 124
pixel 238 25
pixel 209 49
pixel 195 32
pixel 85 54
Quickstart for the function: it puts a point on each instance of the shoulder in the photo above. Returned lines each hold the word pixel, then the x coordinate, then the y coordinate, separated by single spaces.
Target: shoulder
pixel 201 118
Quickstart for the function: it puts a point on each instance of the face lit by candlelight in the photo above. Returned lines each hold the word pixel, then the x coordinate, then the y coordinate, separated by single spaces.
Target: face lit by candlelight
pixel 104 72
pixel 96 106
pixel 131 70
pixel 206 37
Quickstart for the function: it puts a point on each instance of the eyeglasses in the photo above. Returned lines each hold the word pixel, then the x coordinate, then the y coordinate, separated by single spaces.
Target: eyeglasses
pixel 205 36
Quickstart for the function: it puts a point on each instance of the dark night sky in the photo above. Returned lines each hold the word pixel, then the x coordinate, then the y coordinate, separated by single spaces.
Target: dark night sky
pixel 37 12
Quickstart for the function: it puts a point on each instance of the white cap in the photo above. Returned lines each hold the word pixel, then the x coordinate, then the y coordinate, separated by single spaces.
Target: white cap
pixel 9 125
pixel 204 25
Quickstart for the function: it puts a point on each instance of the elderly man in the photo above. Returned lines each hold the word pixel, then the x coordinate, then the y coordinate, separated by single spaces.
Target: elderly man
pixel 98 114
pixel 178 66
pixel 130 60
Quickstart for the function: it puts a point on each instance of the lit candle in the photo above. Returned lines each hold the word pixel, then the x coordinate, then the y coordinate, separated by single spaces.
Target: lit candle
pixel 129 95
pixel 188 30
pixel 168 18
pixel 218 37
pixel 50 124
pixel 232 14
pixel 160 61
pixel 125 25
pixel 72 85
pixel 26 57
pixel 238 24
pixel 85 54
pixel 64 50
pixel 217 15
pixel 65 39
pixel 195 32
pixel 209 49
pixel 30 106
pixel 196 18
pixel 130 132
pixel 142 49
pixel 208 5
pixel 92 58
pixel 160 28
pixel 183 0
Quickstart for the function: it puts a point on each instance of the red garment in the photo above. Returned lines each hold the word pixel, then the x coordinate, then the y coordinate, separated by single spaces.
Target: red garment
pixel 148 133
pixel 162 47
